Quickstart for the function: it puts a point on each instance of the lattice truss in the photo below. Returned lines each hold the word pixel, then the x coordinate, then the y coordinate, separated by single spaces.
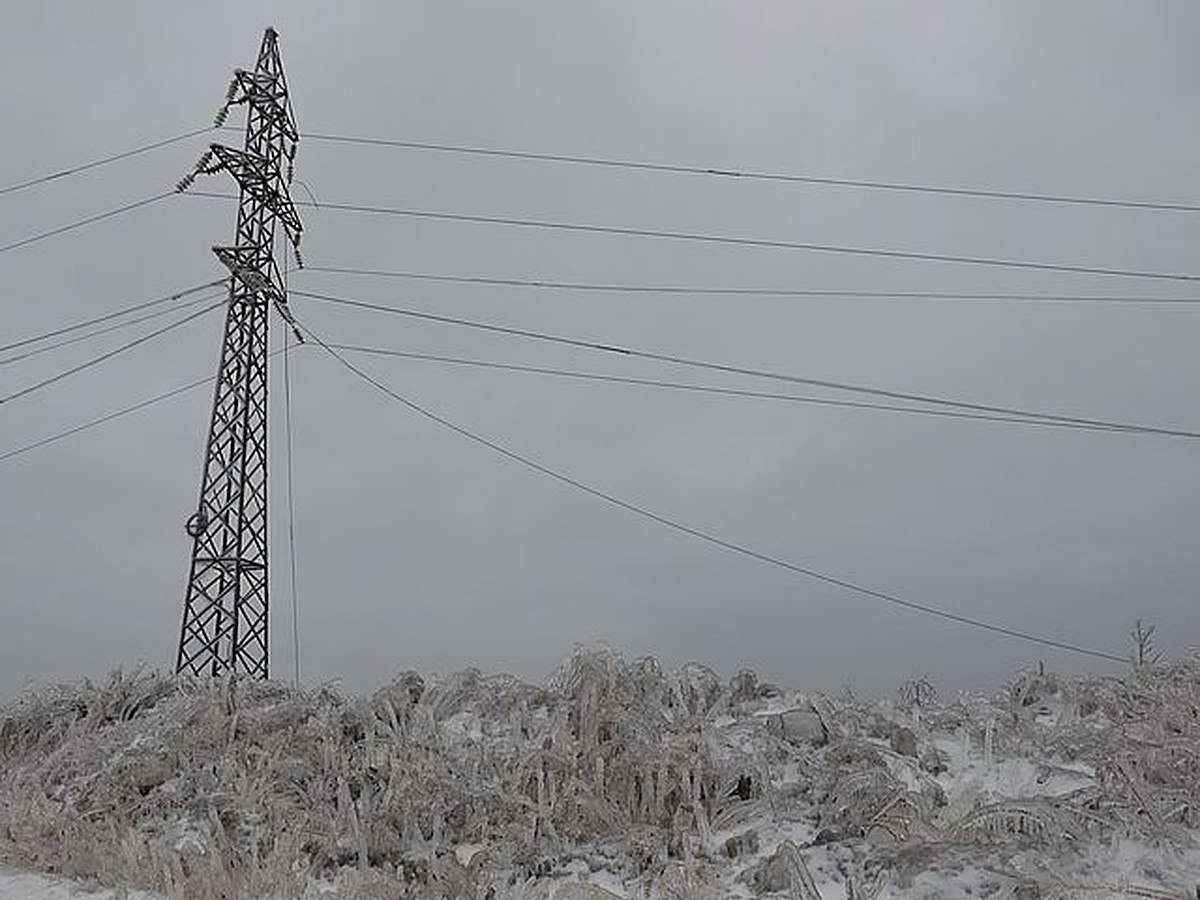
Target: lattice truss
pixel 225 610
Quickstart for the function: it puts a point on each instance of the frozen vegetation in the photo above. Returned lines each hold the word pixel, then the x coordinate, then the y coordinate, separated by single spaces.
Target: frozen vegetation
pixel 613 778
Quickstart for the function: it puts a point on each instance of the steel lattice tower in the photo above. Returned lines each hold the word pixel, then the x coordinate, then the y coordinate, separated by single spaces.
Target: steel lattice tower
pixel 225 609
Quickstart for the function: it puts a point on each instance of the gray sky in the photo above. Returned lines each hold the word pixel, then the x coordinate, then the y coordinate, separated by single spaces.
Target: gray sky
pixel 419 549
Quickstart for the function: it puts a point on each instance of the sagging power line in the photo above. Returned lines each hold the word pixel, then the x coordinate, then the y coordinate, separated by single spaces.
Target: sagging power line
pixel 982 411
pixel 630 352
pixel 564 373
pixel 702 535
pixel 711 389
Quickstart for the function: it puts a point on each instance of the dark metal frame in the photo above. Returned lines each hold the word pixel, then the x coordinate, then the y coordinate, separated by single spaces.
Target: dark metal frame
pixel 225 610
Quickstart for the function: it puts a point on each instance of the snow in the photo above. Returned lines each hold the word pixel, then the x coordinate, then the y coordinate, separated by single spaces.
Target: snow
pixel 613 779
pixel 24 886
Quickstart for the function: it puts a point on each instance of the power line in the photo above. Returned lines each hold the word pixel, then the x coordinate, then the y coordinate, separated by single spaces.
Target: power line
pixel 710 389
pixel 108 417
pixel 107 329
pixel 291 505
pixel 612 288
pixel 699 534
pixel 291 486
pixel 103 161
pixel 67 329
pixel 62 229
pixel 752 175
pixel 731 240
pixel 756 373
pixel 109 354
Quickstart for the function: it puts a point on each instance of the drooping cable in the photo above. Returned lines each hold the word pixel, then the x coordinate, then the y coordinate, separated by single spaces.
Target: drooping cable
pixel 705 536
pixel 712 389
pixel 756 373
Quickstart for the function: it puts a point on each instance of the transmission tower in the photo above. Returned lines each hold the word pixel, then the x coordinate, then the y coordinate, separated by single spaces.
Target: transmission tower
pixel 225 609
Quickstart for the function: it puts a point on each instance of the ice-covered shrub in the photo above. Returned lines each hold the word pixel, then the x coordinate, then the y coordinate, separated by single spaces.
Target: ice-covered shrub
pixel 242 788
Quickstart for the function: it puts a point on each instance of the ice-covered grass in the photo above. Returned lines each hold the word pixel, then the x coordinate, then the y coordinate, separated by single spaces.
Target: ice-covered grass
pixel 613 776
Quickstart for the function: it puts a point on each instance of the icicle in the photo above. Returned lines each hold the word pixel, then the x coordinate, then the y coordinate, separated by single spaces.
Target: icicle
pixel 438 825
pixel 541 803
pixel 693 783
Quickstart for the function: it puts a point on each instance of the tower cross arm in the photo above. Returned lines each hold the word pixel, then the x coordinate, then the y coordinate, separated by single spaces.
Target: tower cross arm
pixel 262 181
pixel 267 92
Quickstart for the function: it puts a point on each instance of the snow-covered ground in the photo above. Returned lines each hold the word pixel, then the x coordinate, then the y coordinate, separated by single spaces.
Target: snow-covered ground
pixel 614 779
pixel 24 886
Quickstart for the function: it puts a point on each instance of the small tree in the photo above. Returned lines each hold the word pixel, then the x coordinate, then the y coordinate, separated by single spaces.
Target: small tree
pixel 1143 653
pixel 918 692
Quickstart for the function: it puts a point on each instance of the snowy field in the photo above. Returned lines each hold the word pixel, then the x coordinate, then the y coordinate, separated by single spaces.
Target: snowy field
pixel 613 779
pixel 21 886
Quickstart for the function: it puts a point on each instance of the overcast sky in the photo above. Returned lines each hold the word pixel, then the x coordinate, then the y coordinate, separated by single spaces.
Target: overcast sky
pixel 418 549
